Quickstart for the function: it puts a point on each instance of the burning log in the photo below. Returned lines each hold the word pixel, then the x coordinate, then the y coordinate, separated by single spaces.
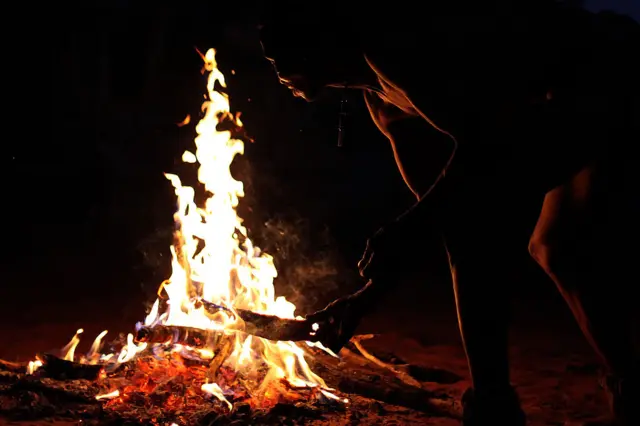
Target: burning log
pixel 189 336
pixel 269 327
pixel 272 327
pixel 179 245
pixel 13 367
pixel 61 369
pixel 224 349
pixel 55 368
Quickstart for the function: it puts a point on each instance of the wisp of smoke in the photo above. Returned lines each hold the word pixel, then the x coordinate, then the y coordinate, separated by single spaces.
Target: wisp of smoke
pixel 307 261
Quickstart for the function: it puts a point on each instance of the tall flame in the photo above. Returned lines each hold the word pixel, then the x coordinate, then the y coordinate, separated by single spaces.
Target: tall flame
pixel 215 260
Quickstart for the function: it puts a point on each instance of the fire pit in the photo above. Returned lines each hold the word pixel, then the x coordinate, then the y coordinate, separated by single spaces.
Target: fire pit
pixel 199 356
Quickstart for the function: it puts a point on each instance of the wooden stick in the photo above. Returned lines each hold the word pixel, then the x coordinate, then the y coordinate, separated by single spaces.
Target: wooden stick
pixel 396 370
pixel 14 367
pixel 189 336
pixel 350 376
pixel 61 369
pixel 268 327
pixel 222 352
pixel 178 244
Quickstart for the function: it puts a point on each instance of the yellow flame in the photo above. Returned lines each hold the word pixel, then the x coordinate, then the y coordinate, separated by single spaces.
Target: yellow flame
pixel 94 355
pixel 214 389
pixel 184 122
pixel 130 350
pixel 33 366
pixel 69 350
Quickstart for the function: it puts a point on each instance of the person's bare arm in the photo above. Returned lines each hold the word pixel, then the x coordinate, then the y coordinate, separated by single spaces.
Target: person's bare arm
pixel 422 152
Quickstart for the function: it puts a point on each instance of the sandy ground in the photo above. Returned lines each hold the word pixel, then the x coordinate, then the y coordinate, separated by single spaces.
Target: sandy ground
pixel 557 387
pixel 553 368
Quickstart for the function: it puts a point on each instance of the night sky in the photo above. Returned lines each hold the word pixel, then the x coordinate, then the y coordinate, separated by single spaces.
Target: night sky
pixel 627 7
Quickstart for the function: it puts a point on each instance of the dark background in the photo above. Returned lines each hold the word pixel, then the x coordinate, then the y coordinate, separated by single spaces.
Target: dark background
pixel 91 101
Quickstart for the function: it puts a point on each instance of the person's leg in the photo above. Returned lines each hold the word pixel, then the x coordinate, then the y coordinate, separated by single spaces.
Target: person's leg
pixel 474 240
pixel 584 240
pixel 572 242
pixel 482 308
pixel 483 317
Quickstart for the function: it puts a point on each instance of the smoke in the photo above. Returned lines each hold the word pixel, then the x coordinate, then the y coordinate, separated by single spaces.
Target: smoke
pixel 154 264
pixel 309 270
pixel 287 221
pixel 284 226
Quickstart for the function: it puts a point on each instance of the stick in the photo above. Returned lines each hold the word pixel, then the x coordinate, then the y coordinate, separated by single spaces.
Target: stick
pixel 398 372
pixel 61 369
pixel 189 336
pixel 14 367
pixel 178 244
pixel 224 349
pixel 268 327
pixel 350 376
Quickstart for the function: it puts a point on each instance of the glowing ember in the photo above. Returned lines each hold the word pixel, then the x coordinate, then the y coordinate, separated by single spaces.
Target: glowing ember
pixel 110 395
pixel 213 260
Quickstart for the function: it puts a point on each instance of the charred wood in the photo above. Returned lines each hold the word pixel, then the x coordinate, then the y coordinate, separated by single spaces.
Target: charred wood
pixel 353 377
pixel 61 369
pixel 182 257
pixel 269 327
pixel 14 367
pixel 189 336
pixel 222 352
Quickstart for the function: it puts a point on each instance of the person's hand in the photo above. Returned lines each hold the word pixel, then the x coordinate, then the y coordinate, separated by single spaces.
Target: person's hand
pixel 335 324
pixel 384 252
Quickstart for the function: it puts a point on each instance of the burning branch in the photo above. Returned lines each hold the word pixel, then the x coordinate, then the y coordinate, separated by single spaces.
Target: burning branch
pixel 179 245
pixel 58 368
pixel 269 327
pixel 14 367
pixel 224 349
pixel 188 336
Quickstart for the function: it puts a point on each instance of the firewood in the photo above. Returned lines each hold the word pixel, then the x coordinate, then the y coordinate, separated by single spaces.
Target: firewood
pixel 222 352
pixel 61 369
pixel 14 367
pixel 399 371
pixel 189 336
pixel 269 327
pixel 354 377
pixel 179 244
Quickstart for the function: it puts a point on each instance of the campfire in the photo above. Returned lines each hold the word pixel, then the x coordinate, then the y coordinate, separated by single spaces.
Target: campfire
pixel 194 334
pixel 214 344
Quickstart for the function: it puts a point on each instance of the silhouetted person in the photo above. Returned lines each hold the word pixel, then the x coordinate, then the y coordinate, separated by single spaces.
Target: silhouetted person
pixel 520 104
